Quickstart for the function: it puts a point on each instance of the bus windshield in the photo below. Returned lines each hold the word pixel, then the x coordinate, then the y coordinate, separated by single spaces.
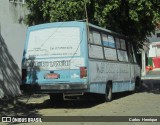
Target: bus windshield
pixel 54 42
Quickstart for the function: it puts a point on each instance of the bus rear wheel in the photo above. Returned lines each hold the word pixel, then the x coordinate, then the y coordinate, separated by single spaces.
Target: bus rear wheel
pixel 137 84
pixel 108 93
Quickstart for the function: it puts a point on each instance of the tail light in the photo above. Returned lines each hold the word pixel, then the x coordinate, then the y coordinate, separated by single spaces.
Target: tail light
pixel 24 74
pixel 83 72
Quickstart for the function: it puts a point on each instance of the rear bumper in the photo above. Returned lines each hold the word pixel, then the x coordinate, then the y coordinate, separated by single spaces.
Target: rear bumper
pixel 56 88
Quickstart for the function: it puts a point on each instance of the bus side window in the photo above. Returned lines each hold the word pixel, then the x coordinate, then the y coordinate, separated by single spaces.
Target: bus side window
pixel 105 40
pixel 121 50
pixel 95 45
pixel 123 44
pixel 111 42
pixel 91 38
pixel 109 47
pixel 117 43
pixel 130 55
pixel 96 37
pixel 108 40
pixel 133 54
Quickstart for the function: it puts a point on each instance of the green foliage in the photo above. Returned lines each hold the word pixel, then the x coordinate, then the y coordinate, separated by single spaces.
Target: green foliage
pixel 42 11
pixel 134 18
pixel 66 10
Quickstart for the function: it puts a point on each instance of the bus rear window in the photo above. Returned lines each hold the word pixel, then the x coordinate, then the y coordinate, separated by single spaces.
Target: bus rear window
pixel 54 42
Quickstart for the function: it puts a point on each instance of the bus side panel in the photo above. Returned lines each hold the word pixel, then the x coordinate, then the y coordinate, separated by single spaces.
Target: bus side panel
pixel 101 72
pixel 137 70
pixel 121 86
pixel 98 87
pixel 132 85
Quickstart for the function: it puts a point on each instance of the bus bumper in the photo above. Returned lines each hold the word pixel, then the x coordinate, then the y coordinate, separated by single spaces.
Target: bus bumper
pixel 56 88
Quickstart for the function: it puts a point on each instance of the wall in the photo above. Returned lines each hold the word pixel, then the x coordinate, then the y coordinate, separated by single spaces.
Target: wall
pixel 12 37
pixel 154 37
pixel 154 50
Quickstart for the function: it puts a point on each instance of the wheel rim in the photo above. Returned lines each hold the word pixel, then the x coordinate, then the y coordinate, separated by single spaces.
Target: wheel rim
pixel 108 95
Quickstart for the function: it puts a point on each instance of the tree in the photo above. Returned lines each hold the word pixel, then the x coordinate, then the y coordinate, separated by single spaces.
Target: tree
pixel 43 11
pixel 133 18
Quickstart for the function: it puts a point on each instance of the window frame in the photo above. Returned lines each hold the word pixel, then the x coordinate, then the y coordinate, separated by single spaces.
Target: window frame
pixel 102 32
pixel 92 43
pixel 120 47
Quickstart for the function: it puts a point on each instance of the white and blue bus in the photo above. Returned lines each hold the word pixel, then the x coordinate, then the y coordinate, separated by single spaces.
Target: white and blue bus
pixel 74 58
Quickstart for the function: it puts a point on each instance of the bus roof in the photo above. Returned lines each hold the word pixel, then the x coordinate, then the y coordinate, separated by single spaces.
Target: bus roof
pixel 106 30
pixel 59 24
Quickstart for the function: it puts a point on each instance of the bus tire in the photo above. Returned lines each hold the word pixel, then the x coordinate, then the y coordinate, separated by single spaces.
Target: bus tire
pixel 108 92
pixel 137 84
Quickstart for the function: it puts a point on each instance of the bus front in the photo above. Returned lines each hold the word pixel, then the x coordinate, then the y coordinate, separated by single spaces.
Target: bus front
pixel 55 59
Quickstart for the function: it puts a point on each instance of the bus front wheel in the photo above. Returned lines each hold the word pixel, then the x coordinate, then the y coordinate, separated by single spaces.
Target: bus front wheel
pixel 108 93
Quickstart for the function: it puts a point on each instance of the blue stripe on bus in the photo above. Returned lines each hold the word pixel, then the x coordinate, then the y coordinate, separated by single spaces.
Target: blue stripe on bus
pixel 105 43
pixel 109 44
pixel 99 87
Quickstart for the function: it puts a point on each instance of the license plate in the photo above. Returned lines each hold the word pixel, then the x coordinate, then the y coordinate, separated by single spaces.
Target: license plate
pixel 52 76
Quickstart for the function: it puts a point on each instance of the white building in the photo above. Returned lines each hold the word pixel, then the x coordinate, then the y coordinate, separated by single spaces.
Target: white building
pixel 12 37
pixel 154 49
pixel 151 56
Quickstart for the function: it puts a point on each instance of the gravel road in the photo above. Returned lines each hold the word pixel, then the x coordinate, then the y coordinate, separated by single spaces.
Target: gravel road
pixel 144 103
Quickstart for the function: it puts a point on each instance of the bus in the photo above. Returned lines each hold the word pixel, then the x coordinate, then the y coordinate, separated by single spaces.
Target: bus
pixel 66 59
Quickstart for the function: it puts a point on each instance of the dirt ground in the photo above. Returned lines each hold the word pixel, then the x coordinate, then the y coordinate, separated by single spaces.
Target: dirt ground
pixel 143 103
